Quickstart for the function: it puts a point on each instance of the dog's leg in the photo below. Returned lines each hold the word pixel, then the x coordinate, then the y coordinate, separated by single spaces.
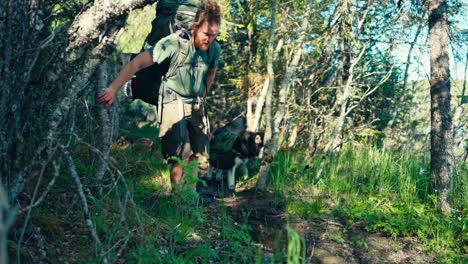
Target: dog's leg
pixel 232 174
pixel 245 171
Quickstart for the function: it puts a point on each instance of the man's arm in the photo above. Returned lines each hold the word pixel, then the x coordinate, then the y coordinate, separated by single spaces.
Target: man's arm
pixel 209 78
pixel 141 61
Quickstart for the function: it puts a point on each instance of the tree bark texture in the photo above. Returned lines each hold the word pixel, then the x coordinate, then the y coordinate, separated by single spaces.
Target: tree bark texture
pixel 441 122
pixel 255 123
pixel 13 64
pixel 335 139
pixel 40 85
pixel 266 160
pixel 290 76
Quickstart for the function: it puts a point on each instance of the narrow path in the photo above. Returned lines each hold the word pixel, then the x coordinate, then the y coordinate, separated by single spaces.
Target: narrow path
pixel 326 239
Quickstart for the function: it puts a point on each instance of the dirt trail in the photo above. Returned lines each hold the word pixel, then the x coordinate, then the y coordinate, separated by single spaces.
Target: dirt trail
pixel 327 240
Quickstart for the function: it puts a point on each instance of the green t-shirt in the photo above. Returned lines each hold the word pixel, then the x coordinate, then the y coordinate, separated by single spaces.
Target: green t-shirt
pixel 188 80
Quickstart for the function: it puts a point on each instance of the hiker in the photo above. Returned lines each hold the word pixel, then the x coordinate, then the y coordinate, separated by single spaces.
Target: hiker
pixel 184 128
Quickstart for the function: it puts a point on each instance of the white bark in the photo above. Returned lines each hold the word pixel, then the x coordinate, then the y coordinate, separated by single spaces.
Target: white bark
pixel 265 167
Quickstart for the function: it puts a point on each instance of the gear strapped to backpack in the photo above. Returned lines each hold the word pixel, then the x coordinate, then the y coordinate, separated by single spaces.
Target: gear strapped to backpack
pixel 171 16
pixel 224 139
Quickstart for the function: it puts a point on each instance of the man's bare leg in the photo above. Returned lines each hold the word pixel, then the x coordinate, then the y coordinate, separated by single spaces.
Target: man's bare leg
pixel 176 175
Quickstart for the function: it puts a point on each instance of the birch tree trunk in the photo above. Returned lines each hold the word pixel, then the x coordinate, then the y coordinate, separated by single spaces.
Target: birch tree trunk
pixel 40 85
pixel 344 83
pixel 266 160
pixel 250 13
pixel 289 78
pixel 254 125
pixel 441 122
pixel 273 144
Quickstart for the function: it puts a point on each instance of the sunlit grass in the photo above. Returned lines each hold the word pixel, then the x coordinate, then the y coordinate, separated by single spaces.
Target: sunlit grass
pixel 176 219
pixel 388 190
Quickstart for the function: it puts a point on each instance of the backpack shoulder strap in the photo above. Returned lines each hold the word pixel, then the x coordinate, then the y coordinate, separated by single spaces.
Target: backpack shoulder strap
pixel 182 53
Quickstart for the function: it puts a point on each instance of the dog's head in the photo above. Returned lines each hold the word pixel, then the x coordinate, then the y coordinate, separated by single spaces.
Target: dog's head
pixel 250 143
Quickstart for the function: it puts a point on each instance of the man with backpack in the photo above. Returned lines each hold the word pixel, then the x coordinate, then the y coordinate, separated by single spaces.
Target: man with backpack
pixel 192 58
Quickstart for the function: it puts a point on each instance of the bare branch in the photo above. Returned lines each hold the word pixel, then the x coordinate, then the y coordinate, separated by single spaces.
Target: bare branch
pixel 84 201
pixel 47 190
pixel 112 165
pixel 371 91
pixel 7 217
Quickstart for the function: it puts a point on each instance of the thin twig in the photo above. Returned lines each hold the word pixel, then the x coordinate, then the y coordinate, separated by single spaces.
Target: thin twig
pixel 132 202
pixel 89 222
pixel 121 178
pixel 29 208
pixel 44 194
pixel 7 217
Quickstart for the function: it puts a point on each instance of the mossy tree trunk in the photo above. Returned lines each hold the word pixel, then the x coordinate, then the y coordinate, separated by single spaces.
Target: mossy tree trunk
pixel 46 64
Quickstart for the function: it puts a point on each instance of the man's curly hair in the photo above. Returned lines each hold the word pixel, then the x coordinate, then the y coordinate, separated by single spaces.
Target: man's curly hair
pixel 209 11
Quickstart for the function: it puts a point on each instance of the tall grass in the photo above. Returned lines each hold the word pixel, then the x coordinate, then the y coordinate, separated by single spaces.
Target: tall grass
pixel 388 190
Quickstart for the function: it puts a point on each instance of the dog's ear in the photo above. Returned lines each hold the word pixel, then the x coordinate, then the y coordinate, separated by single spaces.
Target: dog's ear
pixel 258 139
pixel 246 136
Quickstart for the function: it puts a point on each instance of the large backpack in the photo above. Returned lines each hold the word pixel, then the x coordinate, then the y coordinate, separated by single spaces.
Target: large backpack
pixel 171 16
pixel 222 144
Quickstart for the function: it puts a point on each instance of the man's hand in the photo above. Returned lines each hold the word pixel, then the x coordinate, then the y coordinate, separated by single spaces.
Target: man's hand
pixel 141 61
pixel 106 98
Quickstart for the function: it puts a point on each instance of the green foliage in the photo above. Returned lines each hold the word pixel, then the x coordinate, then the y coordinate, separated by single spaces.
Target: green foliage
pixel 387 190
pixel 306 209
pixel 296 247
pixel 50 224
pixel 335 236
pixel 438 232
pixel 137 28
pixel 64 11
pixel 203 253
pixel 145 254
pixel 236 240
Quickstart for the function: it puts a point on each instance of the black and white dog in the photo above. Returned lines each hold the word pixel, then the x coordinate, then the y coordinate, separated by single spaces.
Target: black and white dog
pixel 232 146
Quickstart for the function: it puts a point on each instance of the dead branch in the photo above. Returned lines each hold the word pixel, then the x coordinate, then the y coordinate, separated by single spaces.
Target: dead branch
pixel 91 24
pixel 7 217
pixel 46 191
pixel 112 165
pixel 84 201
pixel 371 91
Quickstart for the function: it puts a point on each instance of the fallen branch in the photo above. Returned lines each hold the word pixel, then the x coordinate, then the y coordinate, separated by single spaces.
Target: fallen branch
pixel 89 222
pixel 47 190
pixel 113 166
pixel 35 203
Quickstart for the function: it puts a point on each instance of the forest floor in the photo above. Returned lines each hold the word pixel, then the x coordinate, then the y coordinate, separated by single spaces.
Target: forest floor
pixel 327 239
pixel 300 222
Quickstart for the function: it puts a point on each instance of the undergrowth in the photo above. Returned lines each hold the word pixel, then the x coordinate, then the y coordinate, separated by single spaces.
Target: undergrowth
pixel 388 190
pixel 176 224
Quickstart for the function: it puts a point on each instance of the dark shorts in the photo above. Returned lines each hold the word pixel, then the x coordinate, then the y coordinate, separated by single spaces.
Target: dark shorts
pixel 184 131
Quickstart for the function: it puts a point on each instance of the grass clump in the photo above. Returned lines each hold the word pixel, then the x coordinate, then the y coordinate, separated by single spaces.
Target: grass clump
pixel 387 190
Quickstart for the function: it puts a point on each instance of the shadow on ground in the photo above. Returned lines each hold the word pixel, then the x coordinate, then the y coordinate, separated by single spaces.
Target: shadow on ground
pixel 327 240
